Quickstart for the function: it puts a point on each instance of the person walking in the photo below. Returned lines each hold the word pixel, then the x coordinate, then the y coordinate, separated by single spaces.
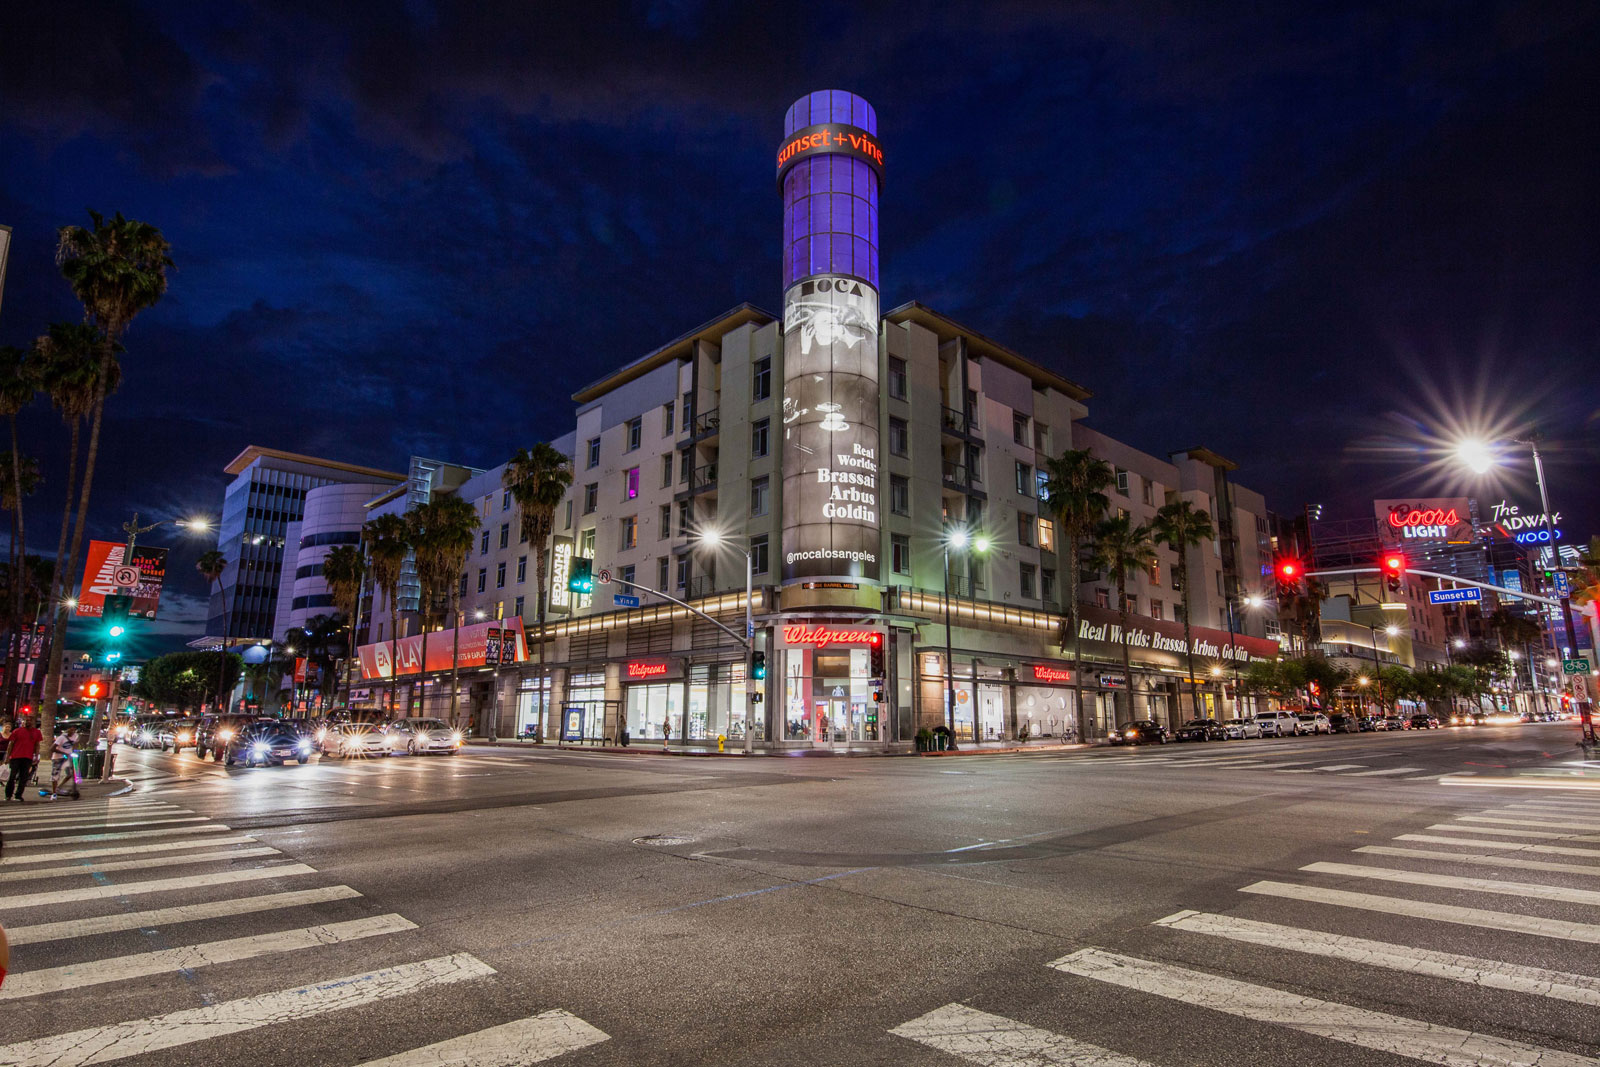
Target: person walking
pixel 63 774
pixel 22 750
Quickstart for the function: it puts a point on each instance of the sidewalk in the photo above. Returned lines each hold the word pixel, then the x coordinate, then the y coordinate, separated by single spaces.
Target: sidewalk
pixel 37 791
pixel 735 749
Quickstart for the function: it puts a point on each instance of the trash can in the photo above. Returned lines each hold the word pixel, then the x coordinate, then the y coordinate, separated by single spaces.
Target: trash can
pixel 91 765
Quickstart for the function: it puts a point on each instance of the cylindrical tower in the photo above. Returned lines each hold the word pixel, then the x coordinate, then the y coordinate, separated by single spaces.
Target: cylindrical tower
pixel 830 165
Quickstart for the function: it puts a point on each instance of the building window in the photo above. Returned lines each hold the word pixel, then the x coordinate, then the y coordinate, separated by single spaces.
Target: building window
pixel 1155 609
pixel 630 483
pixel 594 453
pixel 626 574
pixel 1025 578
pixel 899 495
pixel 522 570
pixel 568 525
pixel 666 470
pixel 591 497
pixel 463 583
pixel 758 437
pixel 684 464
pixel 505 500
pixel 685 518
pixel 1025 529
pixel 1176 586
pixel 1047 584
pixel 1019 428
pixel 630 532
pixel 661 573
pixel 758 554
pixel 1040 480
pixel 761 379
pixel 1122 481
pixel 898 434
pixel 1155 572
pixel 518 608
pixel 500 575
pixel 668 410
pixel 483 578
pixel 897 378
pixel 1102 598
pixel 1219 583
pixel 483 544
pixel 900 553
pixel 1024 478
pixel 586 544
pixel 505 535
pixel 1132 605
pixel 683 572
pixel 758 495
pixel 1047 535
pixel 1147 493
pixel 635 433
pixel 1041 437
pixel 665 520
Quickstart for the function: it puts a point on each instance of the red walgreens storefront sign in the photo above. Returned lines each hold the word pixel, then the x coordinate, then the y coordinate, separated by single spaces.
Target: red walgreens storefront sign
pixel 647 670
pixel 823 636
pixel 1051 674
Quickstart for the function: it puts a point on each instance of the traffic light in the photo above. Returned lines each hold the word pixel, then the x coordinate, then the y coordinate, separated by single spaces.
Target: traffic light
pixel 1289 573
pixel 115 614
pixel 758 666
pixel 581 578
pixel 1393 565
pixel 879 668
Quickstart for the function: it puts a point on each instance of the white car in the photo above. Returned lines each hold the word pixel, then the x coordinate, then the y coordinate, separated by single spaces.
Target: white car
pixel 1239 729
pixel 1315 723
pixel 419 736
pixel 354 739
pixel 1278 723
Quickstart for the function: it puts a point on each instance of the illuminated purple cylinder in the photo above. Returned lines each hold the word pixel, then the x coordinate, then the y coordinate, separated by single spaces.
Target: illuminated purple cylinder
pixel 830 192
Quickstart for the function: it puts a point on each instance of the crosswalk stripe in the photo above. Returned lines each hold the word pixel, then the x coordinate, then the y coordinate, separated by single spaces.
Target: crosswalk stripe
pixel 71 929
pixel 1561 929
pixel 1341 767
pixel 1386 771
pixel 117 1041
pixel 1537 981
pixel 189 957
pixel 1485 861
pixel 995 1041
pixel 540 1037
pixel 1551 824
pixel 123 850
pixel 120 835
pixel 159 885
pixel 1593 819
pixel 1344 1023
pixel 62 812
pixel 136 865
pixel 1557 804
pixel 1478 842
pixel 1453 881
pixel 1546 835
pixel 96 825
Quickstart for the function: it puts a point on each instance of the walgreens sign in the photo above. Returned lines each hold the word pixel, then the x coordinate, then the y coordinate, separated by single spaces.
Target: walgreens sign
pixel 823 636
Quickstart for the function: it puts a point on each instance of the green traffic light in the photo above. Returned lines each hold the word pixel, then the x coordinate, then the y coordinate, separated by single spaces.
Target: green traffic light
pixel 117 631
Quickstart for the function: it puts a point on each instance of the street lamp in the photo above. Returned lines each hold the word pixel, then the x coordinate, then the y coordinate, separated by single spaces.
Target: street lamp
pixel 962 540
pixel 712 538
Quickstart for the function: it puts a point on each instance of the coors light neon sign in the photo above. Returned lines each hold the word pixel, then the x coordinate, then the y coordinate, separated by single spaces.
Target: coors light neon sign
pixel 1423 522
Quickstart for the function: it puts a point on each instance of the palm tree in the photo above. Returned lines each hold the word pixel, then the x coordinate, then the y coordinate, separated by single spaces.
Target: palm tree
pixel 19 382
pixel 442 532
pixel 323 633
pixel 211 564
pixel 1120 549
pixel 1075 494
pixel 1514 631
pixel 387 548
pixel 1181 526
pixel 345 571
pixel 117 269
pixel 538 478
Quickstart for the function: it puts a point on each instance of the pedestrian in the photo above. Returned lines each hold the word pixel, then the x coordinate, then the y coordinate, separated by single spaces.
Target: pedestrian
pixel 62 767
pixel 666 733
pixel 22 750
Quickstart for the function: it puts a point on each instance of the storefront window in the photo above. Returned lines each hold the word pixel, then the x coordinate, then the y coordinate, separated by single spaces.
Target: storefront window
pixel 528 708
pixel 588 691
pixel 828 696
pixel 654 707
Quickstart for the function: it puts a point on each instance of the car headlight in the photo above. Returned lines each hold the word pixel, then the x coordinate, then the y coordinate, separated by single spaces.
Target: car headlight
pixel 1131 733
pixel 422 738
pixel 226 735
pixel 322 735
pixel 456 737
pixel 305 744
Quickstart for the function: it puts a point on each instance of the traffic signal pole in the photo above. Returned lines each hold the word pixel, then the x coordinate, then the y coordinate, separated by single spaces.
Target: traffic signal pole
pixel 1580 682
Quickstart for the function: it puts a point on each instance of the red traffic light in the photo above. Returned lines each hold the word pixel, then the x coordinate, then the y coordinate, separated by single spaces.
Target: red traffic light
pixel 1288 570
pixel 1394 564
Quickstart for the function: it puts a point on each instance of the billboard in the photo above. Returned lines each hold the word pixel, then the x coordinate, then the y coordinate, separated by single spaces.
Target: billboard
pixel 504 639
pixel 101 578
pixel 1420 520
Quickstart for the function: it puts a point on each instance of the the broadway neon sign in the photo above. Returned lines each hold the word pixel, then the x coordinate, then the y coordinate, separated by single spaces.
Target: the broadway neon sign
pixel 646 670
pixel 823 636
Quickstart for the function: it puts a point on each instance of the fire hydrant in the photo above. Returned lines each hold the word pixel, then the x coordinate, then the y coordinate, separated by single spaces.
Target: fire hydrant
pixel 720 740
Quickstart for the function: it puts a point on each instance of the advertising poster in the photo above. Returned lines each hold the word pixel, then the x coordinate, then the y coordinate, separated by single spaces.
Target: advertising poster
pixel 474 652
pixel 100 579
pixel 572 724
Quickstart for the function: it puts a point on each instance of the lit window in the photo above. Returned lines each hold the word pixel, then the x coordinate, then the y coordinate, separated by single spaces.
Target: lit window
pixel 591 497
pixel 761 379
pixel 594 452
pixel 630 531
pixel 630 483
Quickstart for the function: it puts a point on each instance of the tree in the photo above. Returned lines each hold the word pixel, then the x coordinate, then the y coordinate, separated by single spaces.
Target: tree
pixel 116 269
pixel 387 548
pixel 19 479
pixel 345 571
pixel 442 532
pixel 19 382
pixel 538 478
pixel 322 634
pixel 1122 548
pixel 1515 632
pixel 1181 526
pixel 1481 663
pixel 183 679
pixel 1075 494
pixel 212 564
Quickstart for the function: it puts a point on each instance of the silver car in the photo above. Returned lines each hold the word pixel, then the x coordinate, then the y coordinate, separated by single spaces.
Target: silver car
pixel 354 740
pixel 1315 723
pixel 420 736
pixel 1239 729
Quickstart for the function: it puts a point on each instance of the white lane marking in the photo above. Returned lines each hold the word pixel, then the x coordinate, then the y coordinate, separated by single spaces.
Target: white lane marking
pixel 1536 981
pixel 117 1041
pixel 144 964
pixel 63 825
pixel 540 1037
pixel 124 850
pixel 1486 861
pixel 120 835
pixel 1516 846
pixel 1422 909
pixel 1341 767
pixel 1550 824
pixel 1592 820
pixel 1208 764
pixel 71 929
pixel 1429 777
pixel 1452 881
pixel 1345 1023
pixel 1547 835
pixel 995 1041
pixel 62 809
pixel 1386 771
pixel 159 885
pixel 1561 803
pixel 136 865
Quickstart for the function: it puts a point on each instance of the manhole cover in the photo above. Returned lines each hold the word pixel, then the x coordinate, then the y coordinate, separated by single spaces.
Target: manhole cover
pixel 663 839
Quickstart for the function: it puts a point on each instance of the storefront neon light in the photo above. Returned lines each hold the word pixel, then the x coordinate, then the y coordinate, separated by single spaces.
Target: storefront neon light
pixel 1051 674
pixel 647 670
pixel 823 636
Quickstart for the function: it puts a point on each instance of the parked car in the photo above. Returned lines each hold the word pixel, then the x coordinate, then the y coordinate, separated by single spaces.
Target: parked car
pixel 1200 730
pixel 1278 723
pixel 348 739
pixel 1140 732
pixel 1340 723
pixel 419 736
pixel 177 734
pixel 1422 721
pixel 215 731
pixel 266 742
pixel 1391 722
pixel 1314 722
pixel 1241 728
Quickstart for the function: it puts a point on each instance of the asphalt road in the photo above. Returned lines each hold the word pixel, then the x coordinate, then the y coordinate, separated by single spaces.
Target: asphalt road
pixel 1370 899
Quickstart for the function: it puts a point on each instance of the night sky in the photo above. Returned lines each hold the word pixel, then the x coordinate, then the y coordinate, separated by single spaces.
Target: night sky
pixel 1319 244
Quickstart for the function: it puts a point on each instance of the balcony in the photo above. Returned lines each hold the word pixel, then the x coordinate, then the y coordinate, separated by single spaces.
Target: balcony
pixel 701 585
pixel 959 423
pixel 702 427
pixel 961 476
pixel 701 479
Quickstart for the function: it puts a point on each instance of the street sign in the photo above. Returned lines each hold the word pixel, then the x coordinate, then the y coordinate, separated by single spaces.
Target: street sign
pixel 604 577
pixel 1563 586
pixel 125 577
pixel 1464 595
pixel 1575 666
pixel 618 600
pixel 749 631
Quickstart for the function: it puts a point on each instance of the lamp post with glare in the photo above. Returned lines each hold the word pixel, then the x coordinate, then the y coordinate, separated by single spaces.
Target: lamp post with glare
pixel 711 539
pixel 960 539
